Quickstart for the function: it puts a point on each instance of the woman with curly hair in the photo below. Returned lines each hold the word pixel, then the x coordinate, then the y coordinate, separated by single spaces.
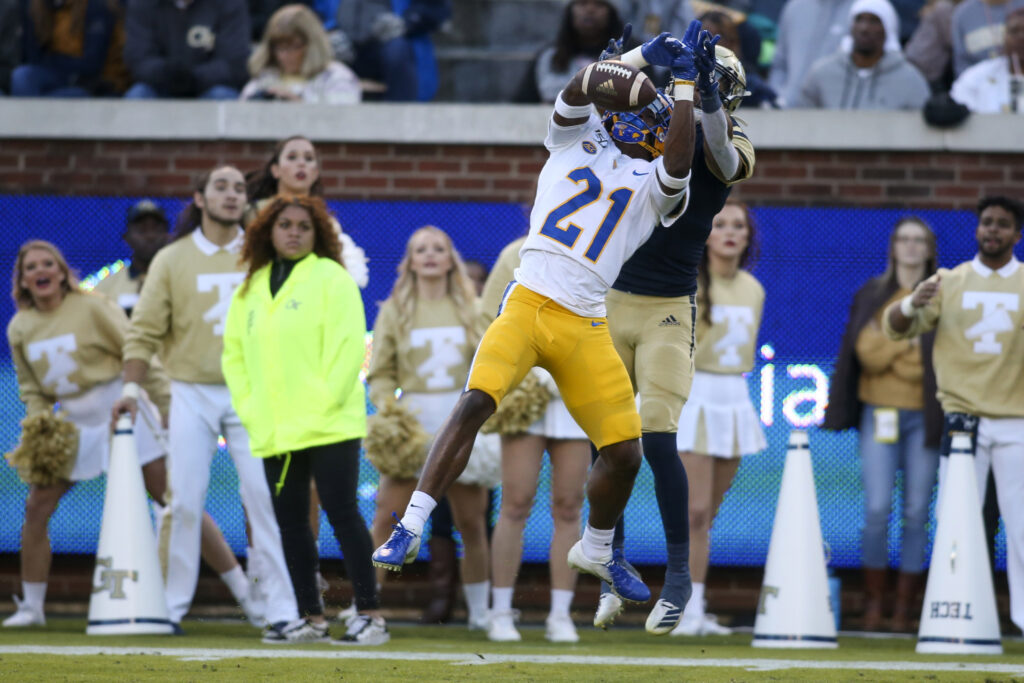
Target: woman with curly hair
pixel 293 170
pixel 718 424
pixel 423 343
pixel 66 346
pixel 293 348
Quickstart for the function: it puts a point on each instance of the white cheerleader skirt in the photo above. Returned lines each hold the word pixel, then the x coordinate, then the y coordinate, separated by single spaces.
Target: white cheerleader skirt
pixel 432 409
pixel 719 419
pixel 90 412
pixel 556 423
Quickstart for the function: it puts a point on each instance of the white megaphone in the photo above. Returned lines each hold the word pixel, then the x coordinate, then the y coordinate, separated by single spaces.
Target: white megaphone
pixel 128 587
pixel 959 614
pixel 795 608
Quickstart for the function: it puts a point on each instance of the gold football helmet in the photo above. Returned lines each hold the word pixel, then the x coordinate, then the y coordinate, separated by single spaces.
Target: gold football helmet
pixel 731 77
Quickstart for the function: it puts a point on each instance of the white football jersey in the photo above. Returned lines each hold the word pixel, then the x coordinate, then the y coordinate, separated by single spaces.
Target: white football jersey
pixel 595 206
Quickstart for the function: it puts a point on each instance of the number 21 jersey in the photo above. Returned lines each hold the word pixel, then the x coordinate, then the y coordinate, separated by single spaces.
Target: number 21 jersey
pixel 594 207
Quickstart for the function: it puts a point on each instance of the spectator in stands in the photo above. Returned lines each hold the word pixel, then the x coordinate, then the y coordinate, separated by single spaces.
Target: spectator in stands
pixel 187 48
pixel 808 31
pixel 67 50
pixel 868 71
pixel 978 27
pixel 10 41
pixel 930 48
pixel 423 342
pixel 146 232
pixel 886 389
pixel 997 84
pixel 294 62
pixel 759 92
pixel 586 28
pixel 389 42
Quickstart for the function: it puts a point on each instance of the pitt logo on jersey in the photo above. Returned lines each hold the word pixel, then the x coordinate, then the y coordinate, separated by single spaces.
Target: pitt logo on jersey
pixel 444 345
pixel 57 352
pixel 224 285
pixel 738 321
pixel 995 318
pixel 589 147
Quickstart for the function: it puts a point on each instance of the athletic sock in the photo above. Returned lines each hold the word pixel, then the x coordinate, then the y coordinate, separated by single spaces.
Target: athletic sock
pixel 418 511
pixel 671 489
pixel 35 595
pixel 597 544
pixel 237 582
pixel 561 601
pixel 501 599
pixel 695 607
pixel 476 599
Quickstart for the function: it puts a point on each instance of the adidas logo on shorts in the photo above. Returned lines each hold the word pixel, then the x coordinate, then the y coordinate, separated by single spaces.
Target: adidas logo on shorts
pixel 671 320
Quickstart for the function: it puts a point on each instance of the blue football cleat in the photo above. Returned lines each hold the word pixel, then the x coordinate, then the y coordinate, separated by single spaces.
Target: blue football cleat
pixel 623 583
pixel 401 548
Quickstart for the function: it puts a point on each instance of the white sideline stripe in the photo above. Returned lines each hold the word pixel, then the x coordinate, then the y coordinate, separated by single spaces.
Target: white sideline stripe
pixel 343 652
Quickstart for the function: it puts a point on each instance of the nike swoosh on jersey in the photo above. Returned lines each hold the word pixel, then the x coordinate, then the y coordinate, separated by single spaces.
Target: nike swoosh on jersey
pixel 635 173
pixel 594 323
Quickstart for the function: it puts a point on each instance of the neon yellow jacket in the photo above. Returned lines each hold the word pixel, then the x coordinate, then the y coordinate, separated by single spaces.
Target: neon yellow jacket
pixel 292 361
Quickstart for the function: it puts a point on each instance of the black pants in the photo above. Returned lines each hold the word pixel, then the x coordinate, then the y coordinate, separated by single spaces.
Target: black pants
pixel 335 468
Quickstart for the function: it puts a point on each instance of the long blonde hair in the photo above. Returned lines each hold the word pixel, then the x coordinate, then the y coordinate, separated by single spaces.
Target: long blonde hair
pixel 22 297
pixel 459 287
pixel 287 22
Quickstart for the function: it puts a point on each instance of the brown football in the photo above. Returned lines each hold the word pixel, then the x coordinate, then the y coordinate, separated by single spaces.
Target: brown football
pixel 616 86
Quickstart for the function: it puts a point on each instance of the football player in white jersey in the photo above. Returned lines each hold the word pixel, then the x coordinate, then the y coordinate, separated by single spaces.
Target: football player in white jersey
pixel 600 195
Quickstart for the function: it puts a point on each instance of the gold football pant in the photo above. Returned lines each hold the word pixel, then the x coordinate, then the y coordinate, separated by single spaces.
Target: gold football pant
pixel 578 352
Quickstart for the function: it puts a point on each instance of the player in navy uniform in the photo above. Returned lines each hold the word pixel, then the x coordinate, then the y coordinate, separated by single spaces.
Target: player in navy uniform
pixel 652 313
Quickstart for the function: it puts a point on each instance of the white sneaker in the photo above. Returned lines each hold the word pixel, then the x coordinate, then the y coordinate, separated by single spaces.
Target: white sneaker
pixel 502 627
pixel 365 630
pixel 24 616
pixel 347 615
pixel 479 622
pixel 609 607
pixel 663 618
pixel 253 611
pixel 711 627
pixel 689 625
pixel 560 629
pixel 298 631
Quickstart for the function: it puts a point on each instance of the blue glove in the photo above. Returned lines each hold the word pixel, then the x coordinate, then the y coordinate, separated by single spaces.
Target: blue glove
pixel 661 50
pixel 707 85
pixel 683 64
pixel 614 49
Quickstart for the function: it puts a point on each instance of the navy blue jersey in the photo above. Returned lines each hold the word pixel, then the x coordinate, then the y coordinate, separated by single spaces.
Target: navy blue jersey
pixel 666 264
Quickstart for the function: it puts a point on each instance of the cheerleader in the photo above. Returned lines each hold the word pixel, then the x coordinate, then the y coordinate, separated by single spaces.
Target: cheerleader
pixel 718 424
pixel 66 346
pixel 522 455
pixel 423 343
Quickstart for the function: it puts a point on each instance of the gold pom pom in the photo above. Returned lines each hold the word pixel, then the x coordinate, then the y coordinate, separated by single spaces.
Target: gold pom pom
pixel 48 449
pixel 396 443
pixel 520 408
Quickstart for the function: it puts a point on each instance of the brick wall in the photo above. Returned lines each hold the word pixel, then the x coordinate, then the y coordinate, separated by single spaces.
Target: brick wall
pixel 498 173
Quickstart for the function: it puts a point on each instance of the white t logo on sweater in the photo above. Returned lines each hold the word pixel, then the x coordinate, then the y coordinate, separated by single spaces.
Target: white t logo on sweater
pixel 995 318
pixel 57 352
pixel 738 320
pixel 224 284
pixel 443 344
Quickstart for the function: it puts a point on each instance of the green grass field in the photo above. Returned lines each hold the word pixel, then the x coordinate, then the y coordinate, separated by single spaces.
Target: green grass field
pixel 216 651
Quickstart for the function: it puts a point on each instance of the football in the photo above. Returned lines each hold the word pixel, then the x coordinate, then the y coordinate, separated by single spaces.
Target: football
pixel 616 86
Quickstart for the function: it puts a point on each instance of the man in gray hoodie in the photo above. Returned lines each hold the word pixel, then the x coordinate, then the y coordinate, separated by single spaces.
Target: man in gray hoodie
pixel 868 71
pixel 808 30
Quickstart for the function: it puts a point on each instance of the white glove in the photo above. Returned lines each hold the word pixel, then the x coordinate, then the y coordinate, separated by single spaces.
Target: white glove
pixel 388 26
